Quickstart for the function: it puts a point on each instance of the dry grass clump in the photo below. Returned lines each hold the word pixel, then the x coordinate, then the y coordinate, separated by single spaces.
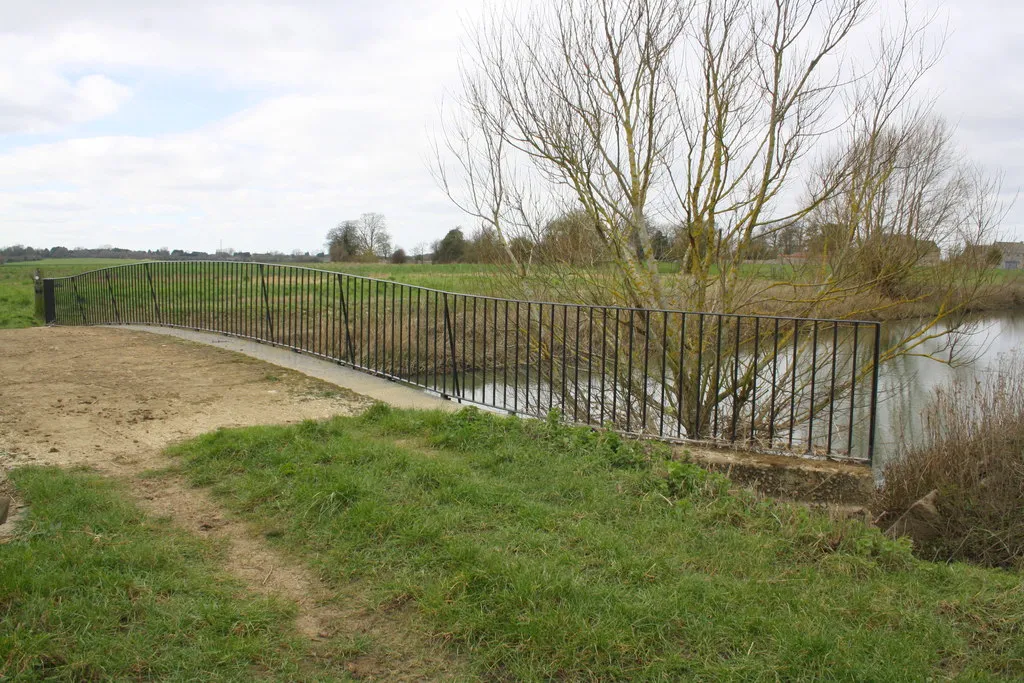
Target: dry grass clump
pixel 972 452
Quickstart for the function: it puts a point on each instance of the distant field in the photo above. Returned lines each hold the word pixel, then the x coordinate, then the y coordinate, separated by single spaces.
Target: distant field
pixel 17 296
pixel 466 278
pixel 17 293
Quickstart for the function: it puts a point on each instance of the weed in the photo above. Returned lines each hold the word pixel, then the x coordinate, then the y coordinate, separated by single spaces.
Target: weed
pixel 972 452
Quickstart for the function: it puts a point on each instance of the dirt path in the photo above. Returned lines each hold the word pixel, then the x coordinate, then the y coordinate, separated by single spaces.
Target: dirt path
pixel 114 399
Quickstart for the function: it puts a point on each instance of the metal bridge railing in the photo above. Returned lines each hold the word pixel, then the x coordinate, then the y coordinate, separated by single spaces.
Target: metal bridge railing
pixel 775 384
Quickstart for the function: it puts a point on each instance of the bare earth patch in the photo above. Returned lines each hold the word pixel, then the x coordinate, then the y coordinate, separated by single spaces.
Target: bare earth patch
pixel 112 400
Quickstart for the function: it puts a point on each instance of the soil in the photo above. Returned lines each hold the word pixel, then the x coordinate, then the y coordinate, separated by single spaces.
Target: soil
pixel 112 400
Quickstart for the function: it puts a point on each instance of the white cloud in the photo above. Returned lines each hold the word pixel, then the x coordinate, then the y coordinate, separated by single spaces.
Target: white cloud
pixel 340 129
pixel 41 101
pixel 339 98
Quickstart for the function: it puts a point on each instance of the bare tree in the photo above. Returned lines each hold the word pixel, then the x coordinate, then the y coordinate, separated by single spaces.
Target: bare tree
pixel 723 119
pixel 373 232
pixel 419 251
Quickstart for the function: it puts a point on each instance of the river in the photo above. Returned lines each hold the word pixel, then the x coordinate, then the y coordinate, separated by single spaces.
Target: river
pixel 906 384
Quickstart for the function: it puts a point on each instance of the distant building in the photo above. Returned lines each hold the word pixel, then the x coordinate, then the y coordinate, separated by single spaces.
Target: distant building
pixel 1011 255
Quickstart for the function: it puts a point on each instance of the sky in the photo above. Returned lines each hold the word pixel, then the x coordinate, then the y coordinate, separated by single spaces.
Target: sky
pixel 259 126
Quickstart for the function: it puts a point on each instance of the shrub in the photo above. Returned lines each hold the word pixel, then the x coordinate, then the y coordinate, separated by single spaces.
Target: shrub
pixel 972 452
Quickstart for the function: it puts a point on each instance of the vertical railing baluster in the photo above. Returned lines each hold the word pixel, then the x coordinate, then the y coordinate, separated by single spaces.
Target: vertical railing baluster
pixel 775 384
pixel 152 289
pixel 792 388
pixel 551 362
pixel 344 313
pixel 604 360
pixel 664 358
pixel 590 365
pixel 449 330
pixel 681 375
pixel 735 380
pixel 113 301
pixel 540 357
pixel 699 378
pixel 814 380
pixel 576 371
pixel 515 373
pixel 853 391
pixel 753 388
pixel 874 394
pixel 463 325
pixel 565 341
pixel 527 382
pixel 629 370
pixel 832 387
pixel 79 301
pixel 615 371
pixel 718 376
pixel 266 303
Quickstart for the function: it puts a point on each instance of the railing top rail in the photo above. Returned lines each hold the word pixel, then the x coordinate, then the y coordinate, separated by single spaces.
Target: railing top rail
pixel 843 321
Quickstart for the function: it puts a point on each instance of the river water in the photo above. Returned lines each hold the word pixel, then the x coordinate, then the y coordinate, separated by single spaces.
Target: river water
pixel 906 384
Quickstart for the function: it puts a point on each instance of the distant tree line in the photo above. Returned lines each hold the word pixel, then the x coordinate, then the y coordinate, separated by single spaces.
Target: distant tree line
pixel 19 253
pixel 566 239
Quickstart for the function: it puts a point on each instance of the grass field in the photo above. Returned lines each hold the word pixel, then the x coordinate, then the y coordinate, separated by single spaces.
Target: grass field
pixel 541 551
pixel 17 302
pixel 92 589
pixel 17 296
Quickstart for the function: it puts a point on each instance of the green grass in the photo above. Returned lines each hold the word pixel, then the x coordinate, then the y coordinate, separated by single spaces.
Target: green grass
pixel 92 589
pixel 464 278
pixel 17 305
pixel 543 551
pixel 17 295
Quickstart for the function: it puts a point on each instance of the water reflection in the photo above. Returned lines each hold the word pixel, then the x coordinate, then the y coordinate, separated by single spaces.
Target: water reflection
pixel 907 383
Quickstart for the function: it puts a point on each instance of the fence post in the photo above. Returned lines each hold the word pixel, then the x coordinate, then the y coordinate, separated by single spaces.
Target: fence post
pixel 46 302
pixel 49 301
pixel 40 307
pixel 449 331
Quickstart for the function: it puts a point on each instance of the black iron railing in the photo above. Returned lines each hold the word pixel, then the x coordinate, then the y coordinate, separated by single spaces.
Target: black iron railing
pixel 756 382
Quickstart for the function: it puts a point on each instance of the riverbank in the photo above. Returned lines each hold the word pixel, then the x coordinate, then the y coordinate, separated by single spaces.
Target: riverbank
pixel 518 549
pixel 548 551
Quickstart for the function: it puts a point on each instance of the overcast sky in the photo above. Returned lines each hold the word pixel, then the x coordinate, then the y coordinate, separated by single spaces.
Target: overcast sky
pixel 259 126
